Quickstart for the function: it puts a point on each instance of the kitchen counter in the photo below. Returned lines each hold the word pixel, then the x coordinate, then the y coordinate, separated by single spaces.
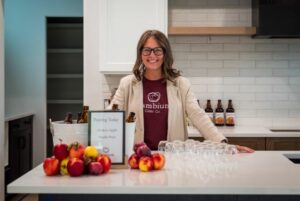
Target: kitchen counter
pixel 18 116
pixel 260 173
pixel 251 131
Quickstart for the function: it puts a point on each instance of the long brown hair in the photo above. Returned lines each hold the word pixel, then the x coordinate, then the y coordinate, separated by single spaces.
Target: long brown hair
pixel 168 72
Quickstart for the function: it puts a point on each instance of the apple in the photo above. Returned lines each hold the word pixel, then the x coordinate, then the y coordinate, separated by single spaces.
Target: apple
pixel 158 161
pixel 145 164
pixel 76 150
pixel 60 151
pixel 95 168
pixel 133 161
pixel 91 152
pixel 105 162
pixel 63 166
pixel 51 166
pixel 75 167
pixel 137 145
pixel 143 150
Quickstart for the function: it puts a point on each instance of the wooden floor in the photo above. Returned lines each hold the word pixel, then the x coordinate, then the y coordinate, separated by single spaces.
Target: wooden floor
pixel 32 197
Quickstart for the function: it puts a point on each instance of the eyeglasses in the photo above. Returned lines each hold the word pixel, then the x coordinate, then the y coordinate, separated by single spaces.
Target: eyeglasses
pixel 158 51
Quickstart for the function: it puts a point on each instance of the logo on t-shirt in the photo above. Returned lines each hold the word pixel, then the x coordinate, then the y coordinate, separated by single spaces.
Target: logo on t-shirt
pixel 153 97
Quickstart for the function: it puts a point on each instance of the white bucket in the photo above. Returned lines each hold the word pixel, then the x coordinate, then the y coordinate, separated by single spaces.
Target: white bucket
pixel 69 133
pixel 129 138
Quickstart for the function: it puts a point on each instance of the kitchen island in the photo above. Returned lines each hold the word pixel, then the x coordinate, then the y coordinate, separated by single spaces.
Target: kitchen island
pixel 263 175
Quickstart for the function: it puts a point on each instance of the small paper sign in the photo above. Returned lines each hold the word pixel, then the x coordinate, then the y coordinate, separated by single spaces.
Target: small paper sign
pixel 107 134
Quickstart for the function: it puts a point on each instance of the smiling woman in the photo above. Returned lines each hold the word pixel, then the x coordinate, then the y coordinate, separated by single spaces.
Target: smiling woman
pixel 160 97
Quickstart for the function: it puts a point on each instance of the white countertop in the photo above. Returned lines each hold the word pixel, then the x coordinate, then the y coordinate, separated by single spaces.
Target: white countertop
pixel 18 116
pixel 251 131
pixel 263 172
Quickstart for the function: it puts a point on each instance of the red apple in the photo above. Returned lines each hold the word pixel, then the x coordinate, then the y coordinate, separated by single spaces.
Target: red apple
pixel 60 151
pixel 95 168
pixel 137 145
pixel 75 167
pixel 105 162
pixel 143 150
pixel 158 161
pixel 76 150
pixel 145 164
pixel 133 161
pixel 51 166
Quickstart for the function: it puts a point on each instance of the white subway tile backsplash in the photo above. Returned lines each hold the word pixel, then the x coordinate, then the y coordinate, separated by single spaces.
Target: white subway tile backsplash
pixel 239 80
pixel 191 39
pixel 239 64
pixel 261 76
pixel 294 47
pixel 271 47
pixel 255 88
pixel 272 80
pixel 256 72
pixel 272 64
pixel 239 47
pixel 223 39
pixel 271 96
pixel 206 47
pixel 294 63
pixel 273 113
pixel 206 80
pixel 255 55
pixel 206 64
pixel 223 72
pixel 294 80
pixel 222 55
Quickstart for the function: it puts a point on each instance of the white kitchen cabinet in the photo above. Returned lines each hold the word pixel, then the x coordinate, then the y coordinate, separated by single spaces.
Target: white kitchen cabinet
pixel 121 23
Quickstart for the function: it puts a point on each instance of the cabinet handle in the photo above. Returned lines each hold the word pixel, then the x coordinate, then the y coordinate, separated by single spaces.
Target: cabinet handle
pixel 21 142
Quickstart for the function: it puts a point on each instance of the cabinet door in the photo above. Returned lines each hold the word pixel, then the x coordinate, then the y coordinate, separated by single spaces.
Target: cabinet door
pixel 283 143
pixel 255 143
pixel 121 23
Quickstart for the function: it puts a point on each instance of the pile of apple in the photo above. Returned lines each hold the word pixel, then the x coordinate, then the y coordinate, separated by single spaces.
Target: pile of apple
pixel 143 159
pixel 75 160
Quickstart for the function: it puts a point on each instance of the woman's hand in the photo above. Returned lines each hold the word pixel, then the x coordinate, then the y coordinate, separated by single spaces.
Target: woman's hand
pixel 244 149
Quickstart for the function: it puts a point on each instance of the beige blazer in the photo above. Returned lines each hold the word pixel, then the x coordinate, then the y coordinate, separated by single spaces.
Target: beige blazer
pixel 181 103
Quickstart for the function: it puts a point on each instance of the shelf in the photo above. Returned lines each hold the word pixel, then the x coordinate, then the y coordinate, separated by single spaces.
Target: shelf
pixel 65 50
pixel 65 101
pixel 64 76
pixel 190 31
pixel 65 25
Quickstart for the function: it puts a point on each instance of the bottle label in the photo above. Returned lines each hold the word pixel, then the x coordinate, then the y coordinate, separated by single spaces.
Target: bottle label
pixel 230 118
pixel 211 116
pixel 219 118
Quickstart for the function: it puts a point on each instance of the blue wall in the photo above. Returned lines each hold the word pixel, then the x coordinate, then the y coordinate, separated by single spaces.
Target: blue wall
pixel 25 60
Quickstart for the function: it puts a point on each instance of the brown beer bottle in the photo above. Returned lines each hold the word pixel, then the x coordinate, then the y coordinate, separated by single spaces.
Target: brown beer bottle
pixel 209 111
pixel 115 107
pixel 68 118
pixel 84 115
pixel 131 117
pixel 219 114
pixel 79 114
pixel 230 117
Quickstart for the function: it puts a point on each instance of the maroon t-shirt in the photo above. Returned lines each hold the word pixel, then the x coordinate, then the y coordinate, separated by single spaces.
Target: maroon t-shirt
pixel 155 112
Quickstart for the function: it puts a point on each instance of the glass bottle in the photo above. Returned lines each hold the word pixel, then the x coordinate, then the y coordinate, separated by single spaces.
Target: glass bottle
pixel 84 115
pixel 68 118
pixel 79 114
pixel 230 117
pixel 115 107
pixel 209 111
pixel 131 117
pixel 219 114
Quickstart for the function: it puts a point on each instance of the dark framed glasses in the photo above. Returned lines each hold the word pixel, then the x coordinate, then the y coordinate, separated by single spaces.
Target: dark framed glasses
pixel 158 51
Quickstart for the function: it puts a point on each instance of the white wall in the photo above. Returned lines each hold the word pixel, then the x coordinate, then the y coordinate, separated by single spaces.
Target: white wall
pixel 92 79
pixel 1 103
pixel 262 76
pixel 25 60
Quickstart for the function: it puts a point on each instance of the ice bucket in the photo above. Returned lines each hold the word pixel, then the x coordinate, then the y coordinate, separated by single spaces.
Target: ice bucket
pixel 69 133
